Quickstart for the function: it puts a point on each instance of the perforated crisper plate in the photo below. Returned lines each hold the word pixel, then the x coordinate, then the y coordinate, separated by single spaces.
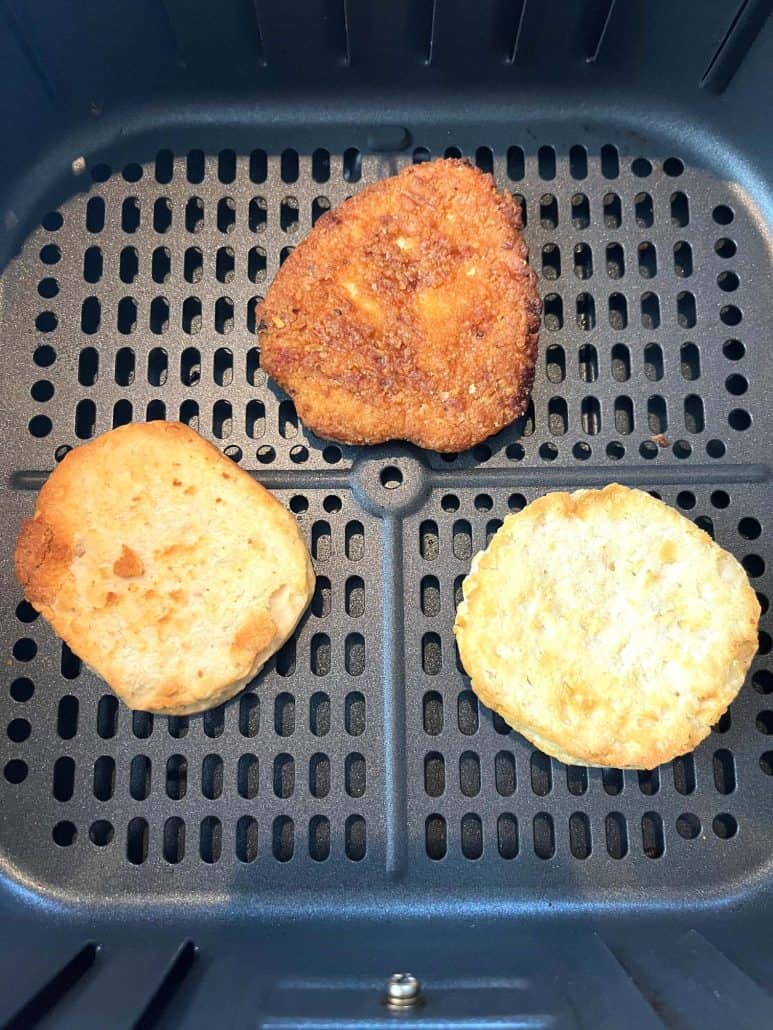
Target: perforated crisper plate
pixel 359 762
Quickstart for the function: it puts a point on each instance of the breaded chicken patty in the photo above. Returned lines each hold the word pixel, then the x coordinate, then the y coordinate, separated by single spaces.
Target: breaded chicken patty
pixel 409 312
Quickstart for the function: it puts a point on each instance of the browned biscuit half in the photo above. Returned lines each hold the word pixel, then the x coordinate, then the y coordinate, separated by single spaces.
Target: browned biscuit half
pixel 607 628
pixel 164 566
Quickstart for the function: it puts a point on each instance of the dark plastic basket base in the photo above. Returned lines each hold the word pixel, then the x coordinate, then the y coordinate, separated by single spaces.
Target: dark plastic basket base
pixel 358 772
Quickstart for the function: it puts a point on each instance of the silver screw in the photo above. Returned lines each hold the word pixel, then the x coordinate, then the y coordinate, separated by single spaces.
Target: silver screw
pixel 403 989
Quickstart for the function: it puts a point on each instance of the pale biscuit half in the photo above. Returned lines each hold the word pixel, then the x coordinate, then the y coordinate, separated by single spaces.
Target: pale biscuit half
pixel 166 568
pixel 607 628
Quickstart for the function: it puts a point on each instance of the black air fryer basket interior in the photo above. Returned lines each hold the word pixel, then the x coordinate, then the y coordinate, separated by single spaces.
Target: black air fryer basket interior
pixel 355 811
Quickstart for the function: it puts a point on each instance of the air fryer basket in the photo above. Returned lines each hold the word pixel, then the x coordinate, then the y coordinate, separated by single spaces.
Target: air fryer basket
pixel 356 810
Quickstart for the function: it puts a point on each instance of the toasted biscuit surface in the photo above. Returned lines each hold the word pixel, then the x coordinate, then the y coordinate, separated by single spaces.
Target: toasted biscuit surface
pixel 166 568
pixel 607 628
pixel 408 312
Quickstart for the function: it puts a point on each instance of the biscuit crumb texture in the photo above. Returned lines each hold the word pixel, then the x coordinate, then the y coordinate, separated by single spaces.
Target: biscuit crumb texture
pixel 408 312
pixel 607 628
pixel 166 568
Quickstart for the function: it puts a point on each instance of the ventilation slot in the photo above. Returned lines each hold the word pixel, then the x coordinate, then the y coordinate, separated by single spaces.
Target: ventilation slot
pixel 258 214
pixel 354 541
pixel 579 835
pixel 516 166
pixel 428 535
pixel 472 836
pixel 95 215
pixel 107 716
pixel 724 771
pixel 680 210
pixel 591 416
pixel 586 312
pixel 64 778
pixel 249 715
pixel 580 211
pixel 104 778
pixel 319 775
pixel 652 835
pixel 467 712
pixel 283 838
pixel 247 776
pixel 690 363
pixel 551 261
pixel 683 259
pixel 130 215
pixel 162 215
pixel 507 835
pixel 469 774
pixel 653 362
pixel 583 261
pixel 650 311
pixel 213 722
pixel 613 215
pixel 137 841
pixel 319 207
pixel 615 261
pixel 319 838
pixel 616 833
pixel 284 776
pixel 194 214
pixel 176 777
pixel 618 311
pixel 128 265
pixel 246 839
pixel 432 709
pixel 546 163
pixel 656 415
pixel 226 214
pixel 174 840
pixel 624 423
pixel 436 838
pixel 684 774
pixel 354 714
pixel 193 265
pixel 544 836
pixel 578 162
pixel 610 162
pixel 355 775
pixel 548 211
pixel 648 264
pixel 693 414
pixel 504 773
pixel 553 312
pixel 685 308
pixel 224 265
pixel 352 165
pixel 139 777
pixel 210 839
pixel 67 717
pixel 142 724
pixel 541 774
pixel 643 210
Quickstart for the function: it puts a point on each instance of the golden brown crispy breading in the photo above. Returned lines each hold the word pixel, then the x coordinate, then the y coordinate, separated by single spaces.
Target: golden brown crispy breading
pixel 607 628
pixel 165 567
pixel 408 312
